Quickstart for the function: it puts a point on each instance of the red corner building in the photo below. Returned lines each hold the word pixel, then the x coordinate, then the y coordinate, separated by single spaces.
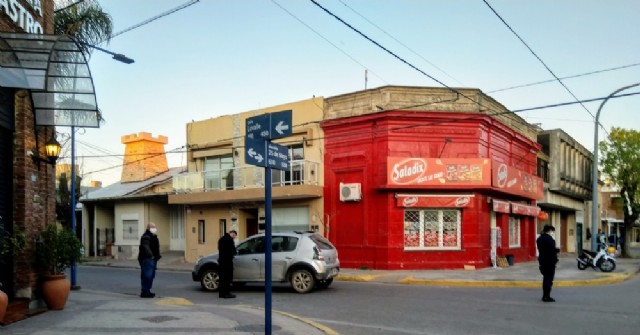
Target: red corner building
pixel 428 178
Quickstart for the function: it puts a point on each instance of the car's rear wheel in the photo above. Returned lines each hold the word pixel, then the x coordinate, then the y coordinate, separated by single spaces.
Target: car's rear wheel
pixel 324 283
pixel 302 281
pixel 210 280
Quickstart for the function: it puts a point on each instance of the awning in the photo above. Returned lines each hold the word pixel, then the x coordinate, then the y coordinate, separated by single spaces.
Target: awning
pixel 434 200
pixel 524 209
pixel 54 68
pixel 500 206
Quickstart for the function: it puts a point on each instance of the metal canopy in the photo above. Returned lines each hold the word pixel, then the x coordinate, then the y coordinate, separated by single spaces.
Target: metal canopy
pixel 54 68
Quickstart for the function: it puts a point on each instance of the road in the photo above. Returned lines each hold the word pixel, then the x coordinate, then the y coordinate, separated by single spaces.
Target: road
pixel 370 308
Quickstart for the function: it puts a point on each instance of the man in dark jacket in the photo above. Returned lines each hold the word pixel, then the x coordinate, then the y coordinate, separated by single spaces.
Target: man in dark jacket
pixel 547 258
pixel 226 252
pixel 148 257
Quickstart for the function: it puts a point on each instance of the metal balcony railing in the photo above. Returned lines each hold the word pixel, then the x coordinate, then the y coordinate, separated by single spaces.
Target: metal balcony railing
pixel 300 172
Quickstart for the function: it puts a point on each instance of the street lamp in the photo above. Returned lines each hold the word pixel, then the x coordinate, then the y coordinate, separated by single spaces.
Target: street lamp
pixel 121 58
pixel 594 171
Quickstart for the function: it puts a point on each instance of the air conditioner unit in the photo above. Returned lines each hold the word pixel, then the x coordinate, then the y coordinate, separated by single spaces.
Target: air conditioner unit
pixel 350 192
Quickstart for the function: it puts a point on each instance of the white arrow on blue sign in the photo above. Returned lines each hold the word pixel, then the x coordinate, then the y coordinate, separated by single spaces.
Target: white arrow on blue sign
pixel 266 154
pixel 255 151
pixel 269 126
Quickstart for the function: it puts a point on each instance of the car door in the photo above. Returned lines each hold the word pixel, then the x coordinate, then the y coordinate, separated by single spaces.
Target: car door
pixel 248 260
pixel 282 254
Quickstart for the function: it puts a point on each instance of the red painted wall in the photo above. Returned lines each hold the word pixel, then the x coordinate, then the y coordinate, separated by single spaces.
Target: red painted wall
pixel 370 233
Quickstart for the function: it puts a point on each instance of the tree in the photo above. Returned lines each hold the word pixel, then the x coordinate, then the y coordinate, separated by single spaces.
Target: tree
pixel 620 161
pixel 85 21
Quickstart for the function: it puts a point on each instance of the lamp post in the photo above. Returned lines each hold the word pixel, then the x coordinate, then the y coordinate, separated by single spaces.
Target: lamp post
pixel 594 171
pixel 74 269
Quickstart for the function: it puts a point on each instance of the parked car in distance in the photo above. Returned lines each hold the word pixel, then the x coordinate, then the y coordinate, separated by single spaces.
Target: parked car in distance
pixel 306 260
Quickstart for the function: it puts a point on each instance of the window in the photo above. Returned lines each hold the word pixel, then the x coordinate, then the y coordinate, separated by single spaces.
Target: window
pixel 514 231
pixel 295 174
pixel 130 230
pixel 432 229
pixel 283 243
pixel 201 226
pixel 218 172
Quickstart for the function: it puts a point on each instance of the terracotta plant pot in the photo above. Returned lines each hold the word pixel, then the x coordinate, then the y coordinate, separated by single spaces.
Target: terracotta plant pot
pixel 4 302
pixel 55 291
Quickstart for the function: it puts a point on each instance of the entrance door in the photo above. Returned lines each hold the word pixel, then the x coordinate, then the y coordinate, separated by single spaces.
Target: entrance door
pixel 578 237
pixel 252 226
pixel 176 225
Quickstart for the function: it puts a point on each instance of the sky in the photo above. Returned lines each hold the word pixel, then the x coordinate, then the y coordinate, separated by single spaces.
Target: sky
pixel 219 57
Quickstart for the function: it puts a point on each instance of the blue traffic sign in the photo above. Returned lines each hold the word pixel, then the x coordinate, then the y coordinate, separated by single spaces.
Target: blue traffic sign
pixel 255 151
pixel 277 156
pixel 280 124
pixel 269 126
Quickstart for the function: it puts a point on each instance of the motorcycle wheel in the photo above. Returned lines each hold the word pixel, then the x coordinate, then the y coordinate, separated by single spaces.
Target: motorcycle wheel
pixel 581 266
pixel 606 265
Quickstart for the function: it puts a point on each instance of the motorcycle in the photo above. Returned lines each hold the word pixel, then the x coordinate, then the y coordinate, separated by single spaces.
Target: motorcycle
pixel 602 260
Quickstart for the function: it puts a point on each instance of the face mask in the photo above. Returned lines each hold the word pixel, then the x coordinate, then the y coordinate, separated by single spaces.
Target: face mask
pixel 153 231
pixel 553 235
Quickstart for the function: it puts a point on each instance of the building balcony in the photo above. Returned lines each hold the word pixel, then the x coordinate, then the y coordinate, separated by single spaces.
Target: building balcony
pixel 246 183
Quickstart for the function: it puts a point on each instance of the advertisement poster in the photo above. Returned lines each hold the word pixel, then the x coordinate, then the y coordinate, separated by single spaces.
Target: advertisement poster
pixel 438 172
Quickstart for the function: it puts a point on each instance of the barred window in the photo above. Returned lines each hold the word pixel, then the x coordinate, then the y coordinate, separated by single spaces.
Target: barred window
pixel 514 231
pixel 130 230
pixel 432 229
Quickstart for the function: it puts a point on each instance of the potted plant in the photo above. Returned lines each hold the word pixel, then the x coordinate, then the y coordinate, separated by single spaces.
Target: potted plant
pixel 56 249
pixel 10 244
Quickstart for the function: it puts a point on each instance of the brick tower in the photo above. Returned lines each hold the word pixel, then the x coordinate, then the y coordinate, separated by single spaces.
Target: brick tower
pixel 144 157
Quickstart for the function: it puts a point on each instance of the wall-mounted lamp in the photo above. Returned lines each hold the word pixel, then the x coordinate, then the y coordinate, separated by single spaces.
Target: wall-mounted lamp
pixel 52 150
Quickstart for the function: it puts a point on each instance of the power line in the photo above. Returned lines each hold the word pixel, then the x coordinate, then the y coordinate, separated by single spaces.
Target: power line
pixel 567 77
pixel 327 40
pixel 393 54
pixel 399 42
pixel 179 150
pixel 537 57
pixel 161 15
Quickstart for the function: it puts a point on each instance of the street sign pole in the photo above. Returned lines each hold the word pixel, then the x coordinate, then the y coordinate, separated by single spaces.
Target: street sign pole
pixel 260 151
pixel 267 266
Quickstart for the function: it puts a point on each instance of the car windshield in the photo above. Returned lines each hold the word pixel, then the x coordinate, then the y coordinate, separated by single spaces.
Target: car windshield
pixel 321 242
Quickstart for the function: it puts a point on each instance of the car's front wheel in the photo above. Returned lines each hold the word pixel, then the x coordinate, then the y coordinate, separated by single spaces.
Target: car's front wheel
pixel 210 280
pixel 302 281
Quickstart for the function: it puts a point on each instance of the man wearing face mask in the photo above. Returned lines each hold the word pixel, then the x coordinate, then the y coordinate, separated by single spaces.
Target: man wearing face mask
pixel 148 257
pixel 547 258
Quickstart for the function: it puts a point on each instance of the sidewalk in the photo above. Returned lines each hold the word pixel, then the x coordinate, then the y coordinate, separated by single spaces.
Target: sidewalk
pixel 93 312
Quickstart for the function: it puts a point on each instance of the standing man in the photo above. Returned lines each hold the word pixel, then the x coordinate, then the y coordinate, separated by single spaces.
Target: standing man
pixel 148 257
pixel 226 251
pixel 547 258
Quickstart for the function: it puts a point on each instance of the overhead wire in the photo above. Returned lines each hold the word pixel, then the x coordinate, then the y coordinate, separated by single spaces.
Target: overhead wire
pixel 161 15
pixel 538 58
pixel 567 77
pixel 394 54
pixel 328 41
pixel 402 44
pixel 179 150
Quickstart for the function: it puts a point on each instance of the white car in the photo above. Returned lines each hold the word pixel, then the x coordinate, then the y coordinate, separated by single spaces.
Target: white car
pixel 305 259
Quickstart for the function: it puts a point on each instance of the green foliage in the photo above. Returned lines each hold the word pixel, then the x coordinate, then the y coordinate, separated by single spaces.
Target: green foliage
pixel 56 250
pixel 11 243
pixel 85 22
pixel 620 161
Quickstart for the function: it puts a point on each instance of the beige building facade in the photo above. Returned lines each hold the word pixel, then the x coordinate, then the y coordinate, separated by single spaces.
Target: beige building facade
pixel 220 191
